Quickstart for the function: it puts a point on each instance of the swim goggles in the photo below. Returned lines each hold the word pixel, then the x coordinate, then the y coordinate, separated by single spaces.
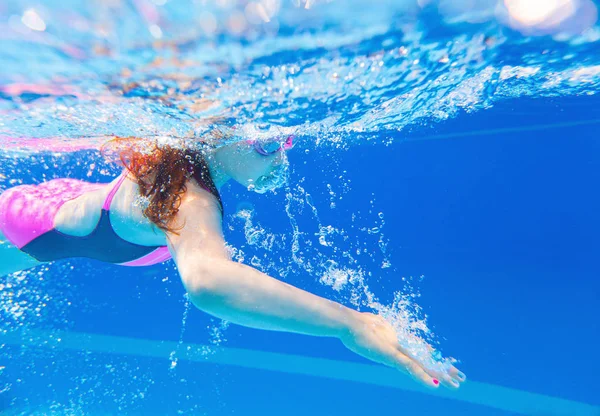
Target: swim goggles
pixel 270 147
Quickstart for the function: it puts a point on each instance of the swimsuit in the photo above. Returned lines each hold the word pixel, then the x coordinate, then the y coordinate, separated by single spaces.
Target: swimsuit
pixel 27 214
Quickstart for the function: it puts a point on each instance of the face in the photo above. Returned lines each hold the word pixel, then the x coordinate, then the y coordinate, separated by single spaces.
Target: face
pixel 259 168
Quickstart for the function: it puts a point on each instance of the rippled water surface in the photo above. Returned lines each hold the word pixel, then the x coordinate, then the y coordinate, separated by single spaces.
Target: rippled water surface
pixel 328 71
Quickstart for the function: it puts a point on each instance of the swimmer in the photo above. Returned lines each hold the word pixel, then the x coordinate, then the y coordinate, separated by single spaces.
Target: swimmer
pixel 166 204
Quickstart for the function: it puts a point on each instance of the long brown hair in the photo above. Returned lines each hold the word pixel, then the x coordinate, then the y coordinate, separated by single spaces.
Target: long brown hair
pixel 162 172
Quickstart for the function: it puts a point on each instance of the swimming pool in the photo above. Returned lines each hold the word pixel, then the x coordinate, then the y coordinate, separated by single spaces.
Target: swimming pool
pixel 446 169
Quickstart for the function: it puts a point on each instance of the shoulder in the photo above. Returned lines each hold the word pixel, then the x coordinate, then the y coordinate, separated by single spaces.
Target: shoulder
pixel 198 199
pixel 198 209
pixel 198 225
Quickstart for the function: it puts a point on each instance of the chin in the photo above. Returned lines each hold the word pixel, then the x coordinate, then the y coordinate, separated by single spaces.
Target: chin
pixel 271 181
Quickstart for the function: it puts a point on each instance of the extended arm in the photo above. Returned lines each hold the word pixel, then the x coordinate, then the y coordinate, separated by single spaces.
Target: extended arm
pixel 239 293
pixel 246 296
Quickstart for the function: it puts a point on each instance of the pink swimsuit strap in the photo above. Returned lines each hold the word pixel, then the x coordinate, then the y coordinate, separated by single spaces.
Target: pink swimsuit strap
pixel 159 255
pixel 113 191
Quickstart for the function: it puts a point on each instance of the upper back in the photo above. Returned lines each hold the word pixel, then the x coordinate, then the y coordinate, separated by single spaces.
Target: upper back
pixel 80 216
pixel 198 210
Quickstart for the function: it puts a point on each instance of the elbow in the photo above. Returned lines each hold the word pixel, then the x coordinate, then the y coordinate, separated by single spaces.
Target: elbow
pixel 200 281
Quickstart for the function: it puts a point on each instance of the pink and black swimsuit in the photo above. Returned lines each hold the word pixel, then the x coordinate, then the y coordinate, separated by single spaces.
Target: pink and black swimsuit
pixel 27 215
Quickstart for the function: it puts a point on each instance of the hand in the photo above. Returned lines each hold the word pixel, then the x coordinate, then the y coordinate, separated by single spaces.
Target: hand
pixel 372 337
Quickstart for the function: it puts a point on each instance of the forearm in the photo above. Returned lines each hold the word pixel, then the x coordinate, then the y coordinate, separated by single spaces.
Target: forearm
pixel 245 296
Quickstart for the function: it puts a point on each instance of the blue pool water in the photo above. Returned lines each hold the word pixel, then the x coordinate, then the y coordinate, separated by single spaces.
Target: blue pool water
pixel 447 172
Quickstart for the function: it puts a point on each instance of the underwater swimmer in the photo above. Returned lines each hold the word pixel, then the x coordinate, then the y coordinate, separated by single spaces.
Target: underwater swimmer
pixel 180 217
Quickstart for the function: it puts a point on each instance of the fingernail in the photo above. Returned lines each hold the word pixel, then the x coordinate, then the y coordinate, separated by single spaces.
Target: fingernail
pixel 436 382
pixel 455 382
pixel 461 376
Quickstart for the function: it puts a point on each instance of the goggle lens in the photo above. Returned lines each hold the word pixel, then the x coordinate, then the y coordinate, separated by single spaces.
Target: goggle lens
pixel 273 146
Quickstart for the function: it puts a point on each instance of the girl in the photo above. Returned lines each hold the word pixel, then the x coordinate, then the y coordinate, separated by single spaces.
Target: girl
pixel 180 217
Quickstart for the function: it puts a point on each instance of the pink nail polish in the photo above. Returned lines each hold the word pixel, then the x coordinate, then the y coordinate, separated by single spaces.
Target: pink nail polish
pixel 436 382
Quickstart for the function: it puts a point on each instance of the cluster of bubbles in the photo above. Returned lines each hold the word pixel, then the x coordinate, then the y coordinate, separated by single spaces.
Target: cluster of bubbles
pixel 31 299
pixel 33 304
pixel 342 260
pixel 216 336
pixel 27 298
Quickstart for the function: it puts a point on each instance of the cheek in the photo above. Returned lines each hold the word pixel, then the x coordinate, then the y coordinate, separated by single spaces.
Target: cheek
pixel 258 166
pixel 252 167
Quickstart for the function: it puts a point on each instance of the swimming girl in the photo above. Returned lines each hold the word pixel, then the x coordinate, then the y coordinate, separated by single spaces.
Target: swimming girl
pixel 181 219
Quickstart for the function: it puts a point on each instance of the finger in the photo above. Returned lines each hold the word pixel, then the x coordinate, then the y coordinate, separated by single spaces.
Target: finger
pixel 457 374
pixel 453 375
pixel 446 377
pixel 413 368
pixel 449 378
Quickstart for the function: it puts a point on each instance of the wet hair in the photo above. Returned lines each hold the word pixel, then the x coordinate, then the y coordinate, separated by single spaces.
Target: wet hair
pixel 161 172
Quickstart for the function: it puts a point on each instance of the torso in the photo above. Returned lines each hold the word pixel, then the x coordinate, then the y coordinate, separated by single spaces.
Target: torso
pixel 80 216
